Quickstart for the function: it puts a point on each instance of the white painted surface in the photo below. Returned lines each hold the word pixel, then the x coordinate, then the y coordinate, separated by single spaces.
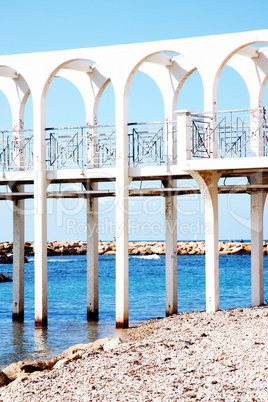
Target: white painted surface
pixel 257 205
pixel 90 70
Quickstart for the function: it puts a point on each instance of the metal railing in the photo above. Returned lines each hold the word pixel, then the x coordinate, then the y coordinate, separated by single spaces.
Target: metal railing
pixel 151 143
pixel 16 150
pixel 232 133
pixel 87 147
pixel 80 147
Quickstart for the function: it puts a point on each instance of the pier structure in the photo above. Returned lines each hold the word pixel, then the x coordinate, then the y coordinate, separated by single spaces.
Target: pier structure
pixel 204 146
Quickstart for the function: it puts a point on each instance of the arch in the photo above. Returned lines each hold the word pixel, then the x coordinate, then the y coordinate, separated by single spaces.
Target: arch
pixel 5 111
pixel 74 65
pixel 160 57
pixel 240 47
pixel 230 83
pixel 194 81
pixel 151 102
pixel 105 101
pixel 62 93
pixel 17 92
pixel 264 92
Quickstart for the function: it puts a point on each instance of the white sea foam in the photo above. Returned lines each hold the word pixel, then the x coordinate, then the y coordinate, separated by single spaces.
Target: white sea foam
pixel 147 257
pixel 60 260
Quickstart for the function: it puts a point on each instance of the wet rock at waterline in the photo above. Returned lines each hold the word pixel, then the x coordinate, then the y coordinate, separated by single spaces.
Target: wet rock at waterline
pixel 4 278
pixel 8 259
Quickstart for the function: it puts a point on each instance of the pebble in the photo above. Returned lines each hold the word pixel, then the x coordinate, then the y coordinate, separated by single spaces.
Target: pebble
pixel 191 356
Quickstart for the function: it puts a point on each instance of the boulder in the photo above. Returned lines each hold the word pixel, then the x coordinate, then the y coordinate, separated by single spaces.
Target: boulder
pixel 8 259
pixel 23 369
pixel 4 278
pixel 4 380
pixel 156 249
pixel 104 344
pixel 4 259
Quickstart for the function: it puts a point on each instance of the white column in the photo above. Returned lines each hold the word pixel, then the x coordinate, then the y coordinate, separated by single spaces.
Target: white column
pixel 257 206
pixel 122 183
pixel 208 184
pixel 18 259
pixel 18 223
pixel 40 206
pixel 171 222
pixel 92 257
pixel 171 255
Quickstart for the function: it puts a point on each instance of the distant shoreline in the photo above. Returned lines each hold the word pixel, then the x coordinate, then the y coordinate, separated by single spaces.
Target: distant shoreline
pixel 55 248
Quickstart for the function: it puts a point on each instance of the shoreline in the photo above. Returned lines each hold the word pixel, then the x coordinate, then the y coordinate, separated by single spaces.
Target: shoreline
pixel 55 248
pixel 189 356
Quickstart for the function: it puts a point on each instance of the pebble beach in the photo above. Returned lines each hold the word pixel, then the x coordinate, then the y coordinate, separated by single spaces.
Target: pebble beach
pixel 191 356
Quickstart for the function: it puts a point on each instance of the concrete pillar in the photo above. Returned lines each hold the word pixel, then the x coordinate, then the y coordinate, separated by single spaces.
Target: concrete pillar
pixel 18 260
pixel 18 221
pixel 257 206
pixel 208 184
pixel 171 255
pixel 40 207
pixel 122 183
pixel 92 257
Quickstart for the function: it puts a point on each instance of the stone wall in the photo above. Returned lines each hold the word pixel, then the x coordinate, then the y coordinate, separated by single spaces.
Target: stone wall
pixel 135 248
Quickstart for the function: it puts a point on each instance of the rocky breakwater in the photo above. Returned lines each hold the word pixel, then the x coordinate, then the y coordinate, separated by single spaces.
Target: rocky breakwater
pixel 183 248
pixel 135 248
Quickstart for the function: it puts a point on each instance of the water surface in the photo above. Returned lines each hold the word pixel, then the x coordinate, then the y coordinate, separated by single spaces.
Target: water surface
pixel 67 324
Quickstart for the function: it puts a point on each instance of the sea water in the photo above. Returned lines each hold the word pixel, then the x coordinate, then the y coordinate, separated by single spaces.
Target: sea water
pixel 67 323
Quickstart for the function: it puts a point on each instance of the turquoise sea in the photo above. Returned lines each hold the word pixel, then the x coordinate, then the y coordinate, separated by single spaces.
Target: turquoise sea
pixel 67 324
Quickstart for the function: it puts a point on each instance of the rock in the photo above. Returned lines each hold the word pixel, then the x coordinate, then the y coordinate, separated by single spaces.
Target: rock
pixel 247 247
pixel 111 344
pixel 8 259
pixel 13 370
pixel 134 248
pixel 101 344
pixel 23 369
pixel 4 380
pixel 4 259
pixel 4 278
pixel 156 249
pixel 238 249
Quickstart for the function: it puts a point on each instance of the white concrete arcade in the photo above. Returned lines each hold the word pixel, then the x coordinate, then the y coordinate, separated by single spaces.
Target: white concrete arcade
pixel 205 147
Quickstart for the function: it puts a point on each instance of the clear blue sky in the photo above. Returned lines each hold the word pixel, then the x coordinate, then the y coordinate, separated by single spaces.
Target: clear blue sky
pixel 36 26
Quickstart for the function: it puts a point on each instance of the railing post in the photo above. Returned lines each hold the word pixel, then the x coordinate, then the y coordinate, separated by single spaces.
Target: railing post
pixel 169 143
pixel 256 142
pixel 184 135
pixel 91 148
